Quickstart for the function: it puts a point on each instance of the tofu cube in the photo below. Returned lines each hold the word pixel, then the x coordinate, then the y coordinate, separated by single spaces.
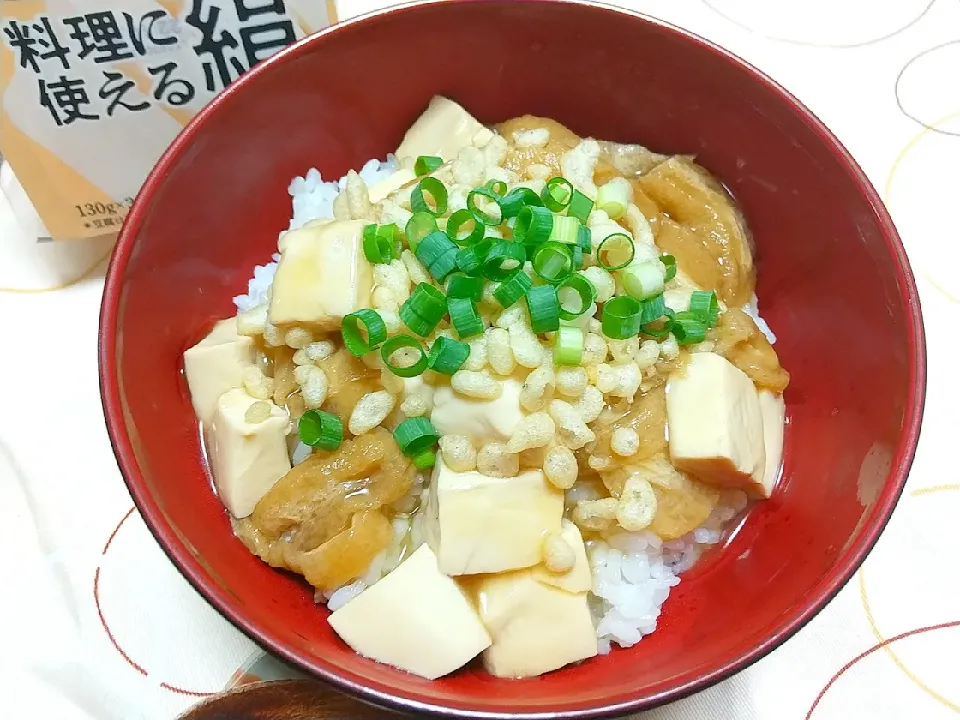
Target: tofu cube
pixel 535 628
pixel 483 421
pixel 714 424
pixel 578 578
pixel 322 275
pixel 416 619
pixel 773 413
pixel 442 130
pixel 215 365
pixel 246 459
pixel 481 524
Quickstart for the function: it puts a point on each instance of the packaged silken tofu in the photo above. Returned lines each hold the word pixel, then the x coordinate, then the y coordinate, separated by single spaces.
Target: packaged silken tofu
pixel 93 91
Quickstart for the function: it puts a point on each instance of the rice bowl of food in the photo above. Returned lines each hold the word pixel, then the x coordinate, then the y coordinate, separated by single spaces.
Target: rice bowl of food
pixel 497 390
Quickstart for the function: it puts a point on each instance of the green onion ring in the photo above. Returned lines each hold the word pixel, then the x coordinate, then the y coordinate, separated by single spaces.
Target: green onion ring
pixel 584 288
pixel 399 342
pixel 553 262
pixel 437 192
pixel 353 337
pixel 503 252
pixel 557 194
pixel 481 215
pixel 415 436
pixel 614 238
pixel 621 317
pixel 317 428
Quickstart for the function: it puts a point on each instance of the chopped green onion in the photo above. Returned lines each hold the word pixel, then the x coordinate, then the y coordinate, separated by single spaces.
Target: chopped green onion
pixel 391 234
pixel 568 346
pixel 401 342
pixel 616 251
pixel 437 192
pixel 470 260
pixel 464 317
pixel 565 230
pixel 443 265
pixel 517 199
pixel 456 223
pixel 426 164
pixel 377 247
pixel 585 239
pixel 498 186
pixel 557 193
pixel 652 309
pixel 534 225
pixel 613 198
pixel 425 460
pixel 577 257
pixel 438 253
pixel 688 328
pixel 642 280
pixel 418 324
pixel 427 302
pixel 553 261
pixel 433 247
pixel 703 304
pixel 482 215
pixel 580 206
pixel 353 338
pixel 659 329
pixel 670 263
pixel 575 286
pixel 513 289
pixel 544 308
pixel 418 227
pixel 320 429
pixel 621 317
pixel 415 436
pixel 465 286
pixel 656 332
pixel 504 260
pixel 447 356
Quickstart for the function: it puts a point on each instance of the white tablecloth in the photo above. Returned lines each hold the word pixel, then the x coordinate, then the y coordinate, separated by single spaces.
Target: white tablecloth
pixel 95 623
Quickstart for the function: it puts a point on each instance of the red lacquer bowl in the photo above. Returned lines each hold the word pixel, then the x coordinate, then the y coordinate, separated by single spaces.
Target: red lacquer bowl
pixel 833 282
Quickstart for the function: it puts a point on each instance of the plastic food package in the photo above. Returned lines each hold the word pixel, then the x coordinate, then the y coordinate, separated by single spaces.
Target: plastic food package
pixel 93 91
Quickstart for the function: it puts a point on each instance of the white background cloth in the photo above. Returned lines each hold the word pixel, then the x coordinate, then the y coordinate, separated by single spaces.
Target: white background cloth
pixel 95 623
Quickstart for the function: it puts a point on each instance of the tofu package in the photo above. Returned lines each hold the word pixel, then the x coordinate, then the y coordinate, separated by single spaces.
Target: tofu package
pixel 93 91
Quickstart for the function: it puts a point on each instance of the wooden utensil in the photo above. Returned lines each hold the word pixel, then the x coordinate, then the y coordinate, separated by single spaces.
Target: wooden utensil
pixel 284 700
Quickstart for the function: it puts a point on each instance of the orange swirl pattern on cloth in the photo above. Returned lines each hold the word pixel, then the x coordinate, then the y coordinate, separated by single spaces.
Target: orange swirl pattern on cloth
pixel 886 643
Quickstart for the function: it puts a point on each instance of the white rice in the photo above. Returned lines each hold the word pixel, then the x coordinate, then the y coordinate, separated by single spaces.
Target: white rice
pixel 633 573
pixel 751 309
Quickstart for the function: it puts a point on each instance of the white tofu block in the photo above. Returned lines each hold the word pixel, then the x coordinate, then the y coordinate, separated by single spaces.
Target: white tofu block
pixel 578 578
pixel 416 619
pixel 442 131
pixel 535 628
pixel 322 275
pixel 714 423
pixel 481 524
pixel 483 421
pixel 246 459
pixel 215 365
pixel 773 413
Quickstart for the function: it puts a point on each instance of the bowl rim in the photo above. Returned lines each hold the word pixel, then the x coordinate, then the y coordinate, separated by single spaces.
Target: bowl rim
pixel 175 548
